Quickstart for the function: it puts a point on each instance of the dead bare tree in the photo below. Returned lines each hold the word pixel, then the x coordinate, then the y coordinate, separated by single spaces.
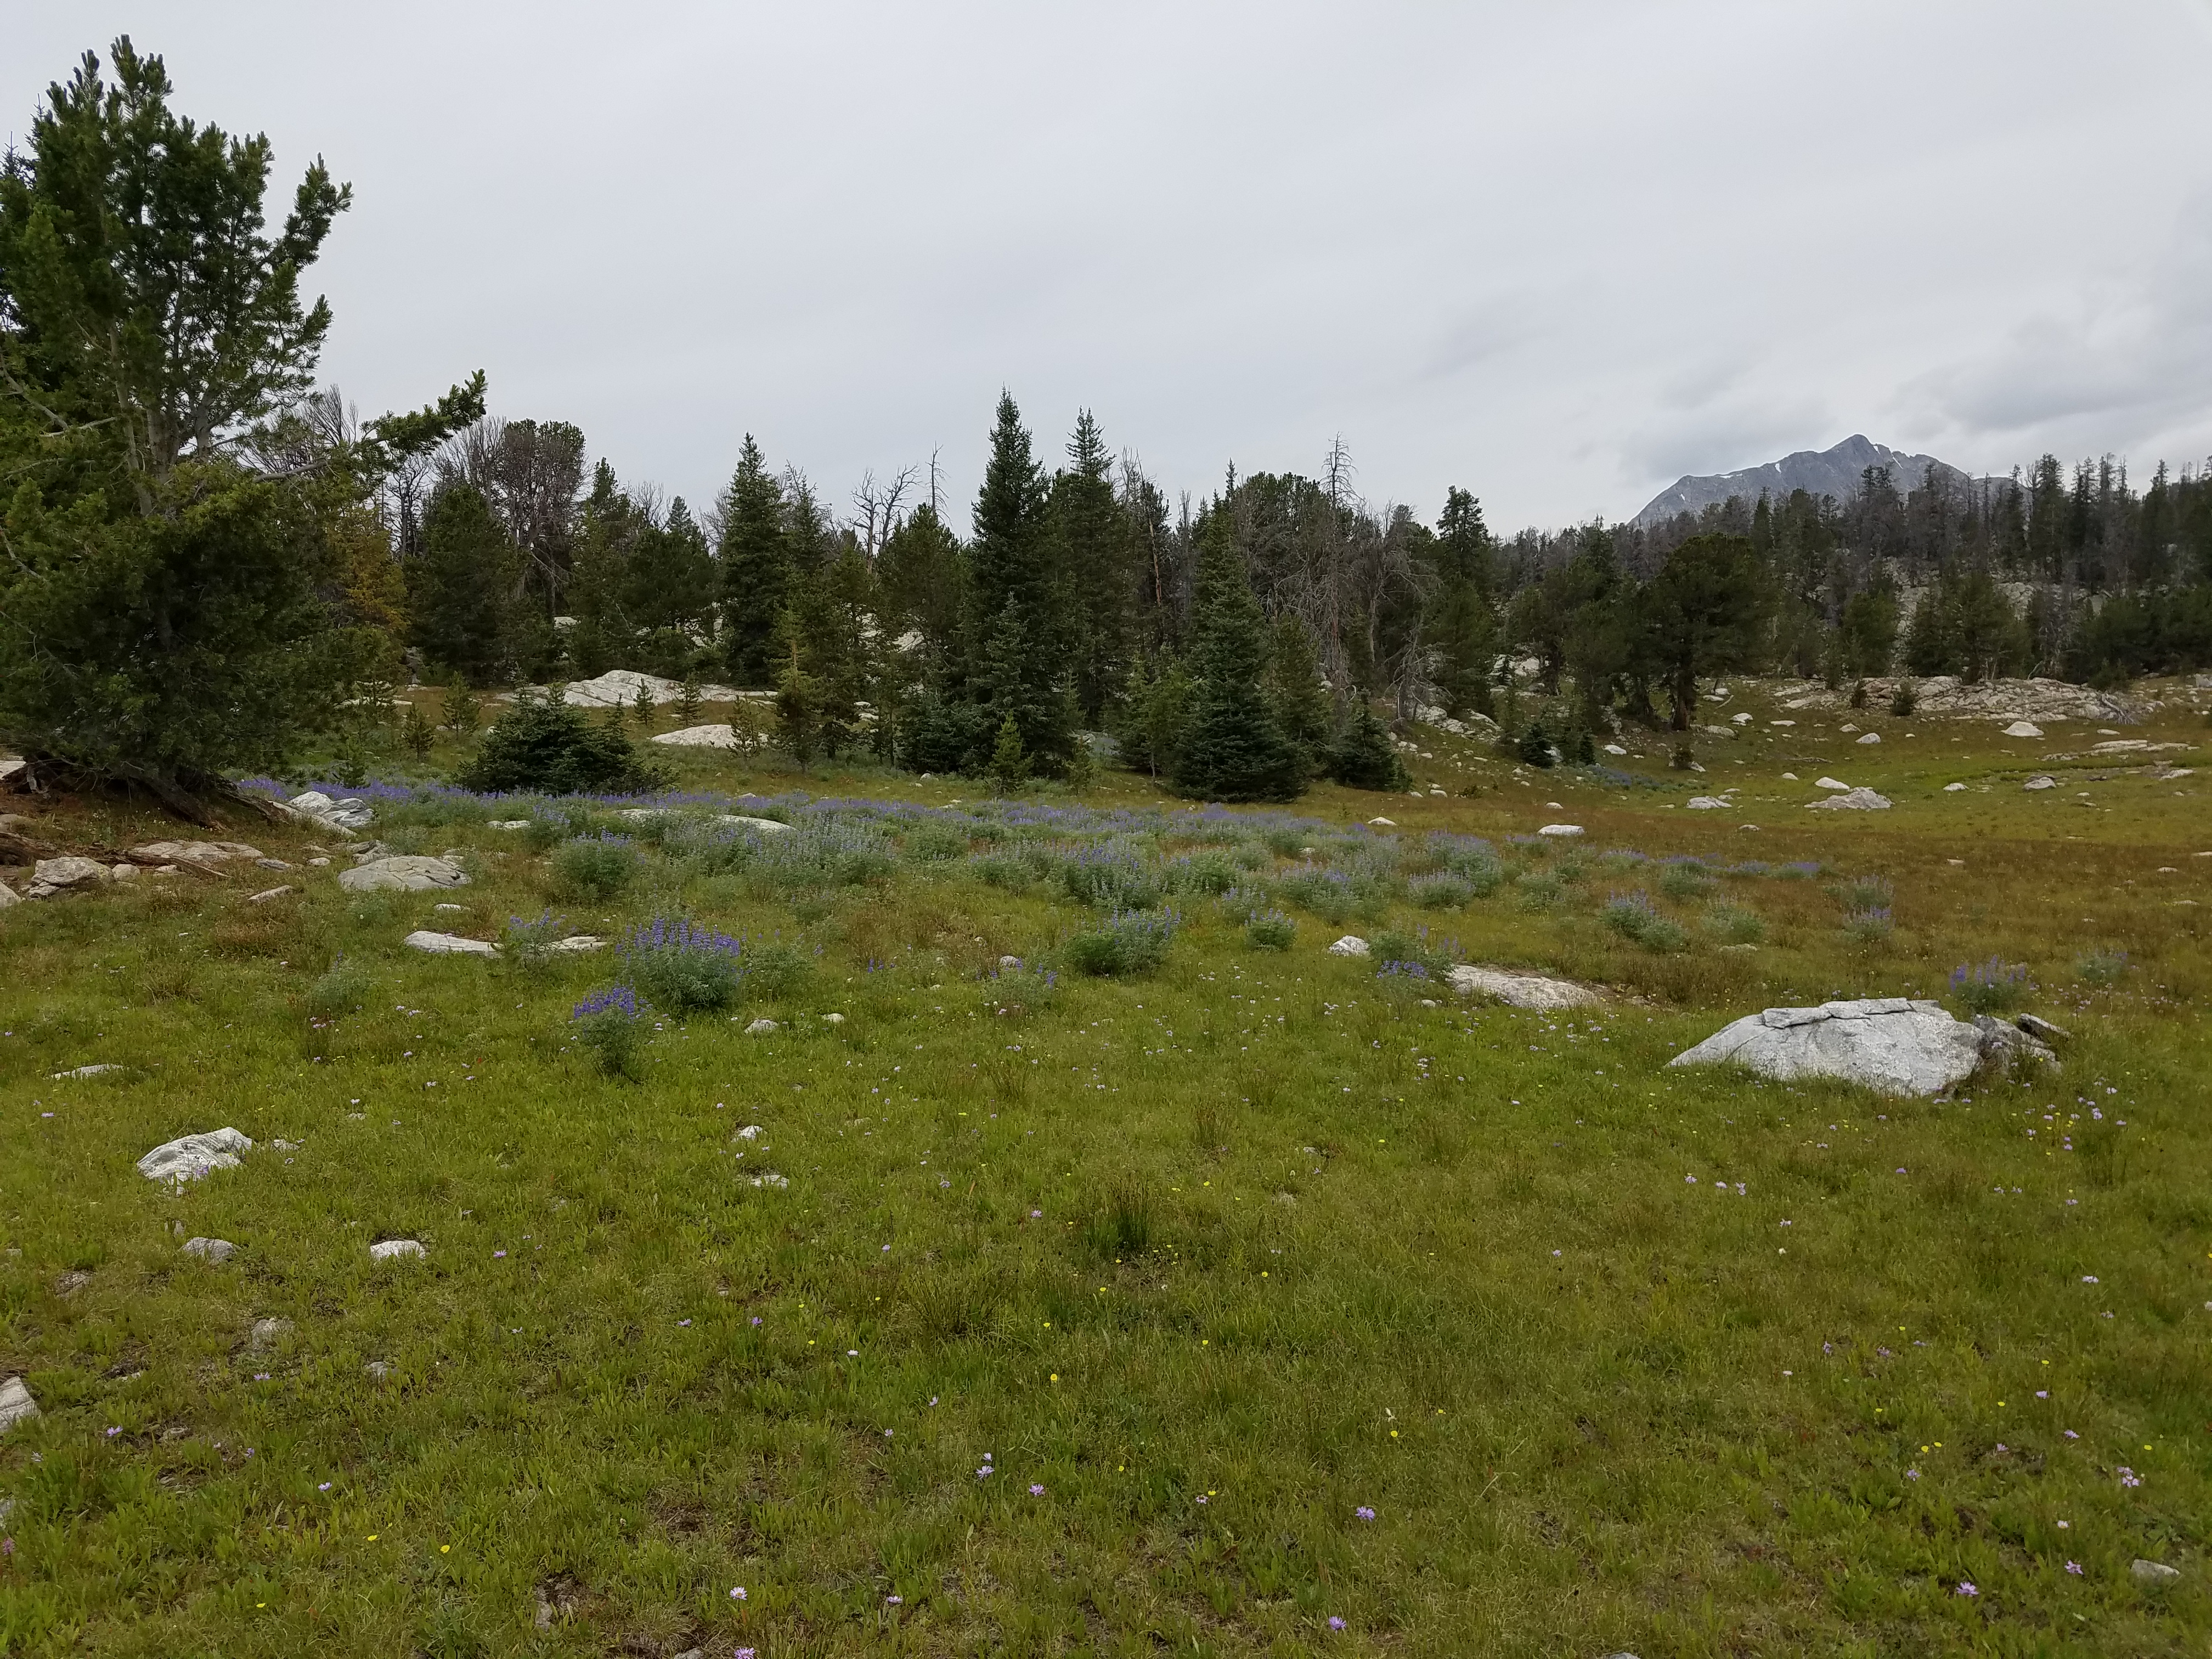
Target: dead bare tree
pixel 877 505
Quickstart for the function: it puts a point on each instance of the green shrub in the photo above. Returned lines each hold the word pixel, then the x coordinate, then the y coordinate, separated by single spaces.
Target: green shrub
pixel 1202 873
pixel 611 1027
pixel 340 989
pixel 1111 878
pixel 1127 942
pixel 684 969
pixel 1008 871
pixel 1286 840
pixel 543 747
pixel 1732 924
pixel 596 869
pixel 935 844
pixel 1685 878
pixel 2104 967
pixel 528 946
pixel 1270 930
pixel 1633 916
pixel 1441 891
pixel 1994 987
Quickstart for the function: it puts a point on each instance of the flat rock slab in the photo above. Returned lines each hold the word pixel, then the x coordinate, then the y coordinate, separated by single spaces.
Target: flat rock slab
pixel 158 853
pixel 100 1070
pixel 190 1157
pixel 1893 1045
pixel 766 826
pixel 1851 800
pixel 1520 990
pixel 16 1405
pixel 718 735
pixel 448 945
pixel 1561 831
pixel 579 942
pixel 405 872
pixel 56 874
pixel 397 1250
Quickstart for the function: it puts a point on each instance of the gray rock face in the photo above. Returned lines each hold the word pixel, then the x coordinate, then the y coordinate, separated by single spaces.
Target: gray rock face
pixel 159 852
pixel 448 945
pixel 51 876
pixel 1520 990
pixel 1893 1045
pixel 190 1157
pixel 1851 800
pixel 403 872
pixel 1817 472
pixel 16 1405
pixel 210 1249
pixel 396 1249
pixel 2005 1045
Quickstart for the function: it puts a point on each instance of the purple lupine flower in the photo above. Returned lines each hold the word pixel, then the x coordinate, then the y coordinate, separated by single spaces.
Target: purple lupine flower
pixel 1965 1587
pixel 1364 1513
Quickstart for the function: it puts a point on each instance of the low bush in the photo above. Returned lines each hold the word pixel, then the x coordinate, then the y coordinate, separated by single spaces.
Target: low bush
pixel 684 969
pixel 597 868
pixel 1633 916
pixel 1994 987
pixel 935 844
pixel 529 945
pixel 1111 878
pixel 1127 942
pixel 2105 967
pixel 1270 930
pixel 1732 924
pixel 1685 878
pixel 611 1027
pixel 1441 891
pixel 342 988
pixel 1202 873
pixel 545 747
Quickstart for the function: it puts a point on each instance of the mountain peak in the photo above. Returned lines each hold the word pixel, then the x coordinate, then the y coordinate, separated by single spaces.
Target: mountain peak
pixel 1818 472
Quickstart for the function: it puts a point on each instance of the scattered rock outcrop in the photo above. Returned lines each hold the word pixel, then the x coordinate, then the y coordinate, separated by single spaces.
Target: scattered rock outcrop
pixel 449 945
pixel 403 873
pixel 1894 1045
pixel 188 1157
pixel 1520 990
pixel 155 853
pixel 345 812
pixel 719 735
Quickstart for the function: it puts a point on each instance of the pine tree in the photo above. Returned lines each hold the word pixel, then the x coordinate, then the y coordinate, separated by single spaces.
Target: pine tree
pixel 755 560
pixel 1092 547
pixel 1364 758
pixel 1010 767
pixel 798 709
pixel 1233 747
pixel 1021 669
pixel 1465 625
pixel 464 713
pixel 1300 700
pixel 461 587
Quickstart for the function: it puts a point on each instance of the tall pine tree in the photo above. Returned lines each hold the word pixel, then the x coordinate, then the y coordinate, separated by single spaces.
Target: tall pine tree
pixel 755 560
pixel 1020 670
pixel 1233 747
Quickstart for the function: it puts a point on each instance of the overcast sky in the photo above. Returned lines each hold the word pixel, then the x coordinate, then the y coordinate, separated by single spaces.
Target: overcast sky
pixel 1557 253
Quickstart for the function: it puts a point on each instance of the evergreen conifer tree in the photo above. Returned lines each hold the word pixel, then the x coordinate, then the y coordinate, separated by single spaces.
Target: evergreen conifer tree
pixel 1364 758
pixel 1022 671
pixel 755 560
pixel 1233 747
pixel 461 586
pixel 1093 546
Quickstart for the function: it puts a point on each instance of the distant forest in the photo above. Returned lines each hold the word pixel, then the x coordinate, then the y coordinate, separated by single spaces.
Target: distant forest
pixel 206 562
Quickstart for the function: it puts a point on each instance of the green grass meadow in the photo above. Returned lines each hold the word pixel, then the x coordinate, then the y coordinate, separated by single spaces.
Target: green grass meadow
pixel 1258 1303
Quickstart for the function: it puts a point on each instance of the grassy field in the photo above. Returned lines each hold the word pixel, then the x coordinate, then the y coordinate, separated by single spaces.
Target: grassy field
pixel 1258 1302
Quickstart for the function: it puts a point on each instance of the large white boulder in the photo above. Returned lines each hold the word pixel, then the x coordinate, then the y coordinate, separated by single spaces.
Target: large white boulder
pixel 1894 1045
pixel 406 872
pixel 718 735
pixel 1349 945
pixel 1520 990
pixel 1851 800
pixel 190 1157
pixel 448 945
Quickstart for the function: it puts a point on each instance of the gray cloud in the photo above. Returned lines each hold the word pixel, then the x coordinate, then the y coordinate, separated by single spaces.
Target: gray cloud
pixel 1557 254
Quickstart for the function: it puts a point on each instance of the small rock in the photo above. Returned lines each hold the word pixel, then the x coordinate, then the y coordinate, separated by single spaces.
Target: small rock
pixel 272 864
pixel 2039 781
pixel 1871 737
pixel 267 1332
pixel 833 1019
pixel 190 1157
pixel 760 1027
pixel 378 1370
pixel 1615 748
pixel 123 872
pixel 2152 1572
pixel 101 1070
pixel 578 942
pixel 2022 729
pixel 16 1405
pixel 766 826
pixel 449 945
pixel 405 873
pixel 1705 803
pixel 1830 783
pixel 393 1249
pixel 2037 1027
pixel 70 1282
pixel 1561 831
pixel 1349 945
pixel 770 1178
pixel 508 823
pixel 1851 800
pixel 2005 1046
pixel 1011 965
pixel 274 892
pixel 1954 788
pixel 1388 824
pixel 210 1249
pixel 319 864
pixel 449 907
